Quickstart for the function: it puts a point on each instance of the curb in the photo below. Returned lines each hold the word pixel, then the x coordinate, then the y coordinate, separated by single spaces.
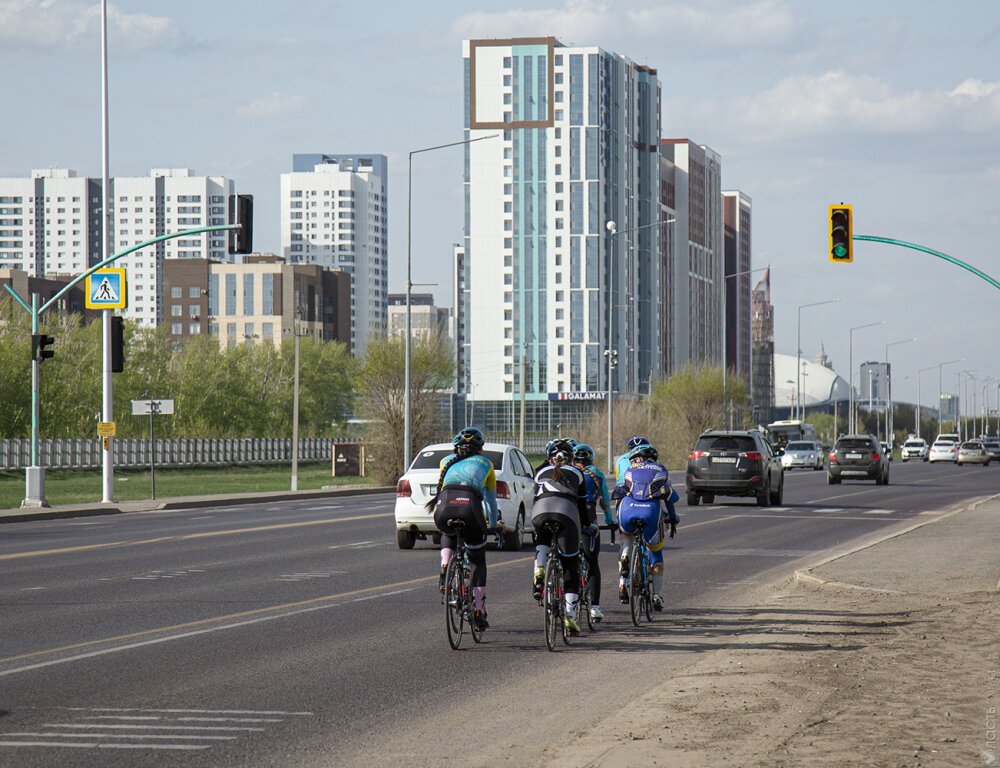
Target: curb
pixel 186 502
pixel 804 575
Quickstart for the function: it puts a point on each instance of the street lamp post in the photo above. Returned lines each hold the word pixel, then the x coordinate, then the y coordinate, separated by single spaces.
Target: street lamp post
pixel 986 406
pixel 888 391
pixel 798 354
pixel 610 352
pixel 407 399
pixel 851 418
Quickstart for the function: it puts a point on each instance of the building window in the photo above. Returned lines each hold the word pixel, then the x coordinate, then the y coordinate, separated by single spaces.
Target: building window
pixel 194 311
pixel 176 292
pixel 230 334
pixel 248 294
pixel 194 329
pixel 231 294
pixel 194 292
pixel 267 287
pixel 176 310
pixel 267 331
pixel 176 329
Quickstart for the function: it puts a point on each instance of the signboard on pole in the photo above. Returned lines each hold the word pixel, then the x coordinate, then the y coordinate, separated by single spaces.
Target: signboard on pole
pixel 106 429
pixel 106 289
pixel 152 407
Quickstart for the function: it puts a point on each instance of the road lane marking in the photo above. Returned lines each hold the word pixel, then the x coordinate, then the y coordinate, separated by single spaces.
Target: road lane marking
pixel 124 726
pixel 879 511
pixel 197 627
pixel 96 745
pixel 191 536
pixel 189 711
pixel 102 735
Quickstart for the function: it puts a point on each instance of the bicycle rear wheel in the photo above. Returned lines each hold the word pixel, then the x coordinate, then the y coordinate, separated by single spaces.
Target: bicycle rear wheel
pixel 454 602
pixel 635 583
pixel 647 589
pixel 552 601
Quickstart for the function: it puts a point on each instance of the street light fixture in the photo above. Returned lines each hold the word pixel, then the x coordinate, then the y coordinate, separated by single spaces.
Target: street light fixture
pixel 798 354
pixel 612 354
pixel 407 399
pixel 852 420
pixel 888 391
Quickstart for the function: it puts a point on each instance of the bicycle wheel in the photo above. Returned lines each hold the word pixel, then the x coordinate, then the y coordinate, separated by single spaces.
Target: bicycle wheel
pixel 454 602
pixel 470 607
pixel 552 601
pixel 647 588
pixel 635 582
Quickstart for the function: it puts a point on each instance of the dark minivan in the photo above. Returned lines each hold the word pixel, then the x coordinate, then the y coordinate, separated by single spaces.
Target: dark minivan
pixel 858 457
pixel 734 463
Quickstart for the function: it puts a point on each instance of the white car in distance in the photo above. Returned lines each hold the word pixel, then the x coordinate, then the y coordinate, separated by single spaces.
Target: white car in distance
pixel 515 493
pixel 915 448
pixel 944 449
pixel 802 453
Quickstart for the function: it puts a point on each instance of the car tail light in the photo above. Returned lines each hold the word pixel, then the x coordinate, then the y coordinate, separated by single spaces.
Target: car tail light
pixel 752 455
pixel 503 490
pixel 697 454
pixel 875 457
pixel 403 489
pixel 833 457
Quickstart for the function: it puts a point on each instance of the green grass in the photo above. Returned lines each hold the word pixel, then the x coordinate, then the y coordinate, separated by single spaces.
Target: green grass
pixel 79 486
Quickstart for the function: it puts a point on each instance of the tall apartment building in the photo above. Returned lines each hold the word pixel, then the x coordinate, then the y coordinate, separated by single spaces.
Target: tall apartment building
pixel 335 213
pixel 737 208
pixel 697 271
pixel 262 300
pixel 426 320
pixel 762 382
pixel 570 138
pixel 51 224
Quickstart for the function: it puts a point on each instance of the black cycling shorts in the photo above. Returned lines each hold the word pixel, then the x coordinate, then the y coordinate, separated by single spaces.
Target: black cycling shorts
pixel 465 505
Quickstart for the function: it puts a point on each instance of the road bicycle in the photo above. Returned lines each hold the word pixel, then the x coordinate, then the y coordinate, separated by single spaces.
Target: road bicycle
pixel 553 594
pixel 459 605
pixel 640 577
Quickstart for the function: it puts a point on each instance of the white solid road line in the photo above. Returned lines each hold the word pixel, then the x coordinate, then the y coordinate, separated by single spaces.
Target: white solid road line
pixel 186 711
pixel 125 726
pixel 103 735
pixel 96 745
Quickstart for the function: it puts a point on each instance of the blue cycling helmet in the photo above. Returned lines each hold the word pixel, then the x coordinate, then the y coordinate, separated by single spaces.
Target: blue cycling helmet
pixel 635 441
pixel 643 451
pixel 584 453
pixel 470 437
pixel 570 440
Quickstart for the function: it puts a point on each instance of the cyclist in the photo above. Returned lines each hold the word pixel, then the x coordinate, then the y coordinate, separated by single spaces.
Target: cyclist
pixel 560 496
pixel 645 485
pixel 572 443
pixel 467 490
pixel 597 495
pixel 622 462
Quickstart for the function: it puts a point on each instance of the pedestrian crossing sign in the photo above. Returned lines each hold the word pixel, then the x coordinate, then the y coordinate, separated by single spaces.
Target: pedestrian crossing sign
pixel 106 289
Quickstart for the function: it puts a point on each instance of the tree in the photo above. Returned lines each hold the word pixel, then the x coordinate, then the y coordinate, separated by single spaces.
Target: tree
pixel 381 398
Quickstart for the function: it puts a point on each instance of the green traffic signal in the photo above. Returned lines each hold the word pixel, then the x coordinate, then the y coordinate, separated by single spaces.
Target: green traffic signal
pixel 840 233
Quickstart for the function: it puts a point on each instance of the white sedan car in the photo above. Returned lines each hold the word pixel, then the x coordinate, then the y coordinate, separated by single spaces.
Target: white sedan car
pixel 515 493
pixel 802 453
pixel 943 450
pixel 915 448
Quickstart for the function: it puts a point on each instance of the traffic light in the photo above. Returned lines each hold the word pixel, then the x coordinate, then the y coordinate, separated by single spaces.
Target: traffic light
pixel 117 344
pixel 241 212
pixel 841 232
pixel 39 347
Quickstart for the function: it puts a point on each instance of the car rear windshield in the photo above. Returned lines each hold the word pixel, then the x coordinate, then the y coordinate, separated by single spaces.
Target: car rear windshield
pixel 913 444
pixel 432 459
pixel 726 443
pixel 801 447
pixel 944 441
pixel 856 444
pixel 973 444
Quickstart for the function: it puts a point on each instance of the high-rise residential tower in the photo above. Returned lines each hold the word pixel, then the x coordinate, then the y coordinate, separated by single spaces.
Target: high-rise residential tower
pixel 737 209
pixel 569 142
pixel 335 213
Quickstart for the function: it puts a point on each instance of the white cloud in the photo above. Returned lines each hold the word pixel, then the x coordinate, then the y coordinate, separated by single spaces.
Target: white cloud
pixel 60 23
pixel 275 104
pixel 719 25
pixel 841 103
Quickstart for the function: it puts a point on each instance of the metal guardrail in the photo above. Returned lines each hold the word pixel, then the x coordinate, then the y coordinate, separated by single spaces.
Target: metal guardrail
pixel 85 453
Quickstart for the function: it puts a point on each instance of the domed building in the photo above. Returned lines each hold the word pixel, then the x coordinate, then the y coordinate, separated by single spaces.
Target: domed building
pixel 821 386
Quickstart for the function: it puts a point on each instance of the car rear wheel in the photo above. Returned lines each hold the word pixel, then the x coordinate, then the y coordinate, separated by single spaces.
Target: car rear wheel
pixel 405 539
pixel 831 480
pixel 779 495
pixel 693 498
pixel 885 480
pixel 513 538
pixel 764 496
pixel 708 498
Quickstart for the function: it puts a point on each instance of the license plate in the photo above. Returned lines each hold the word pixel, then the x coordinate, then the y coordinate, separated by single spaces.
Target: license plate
pixel 723 460
pixel 852 455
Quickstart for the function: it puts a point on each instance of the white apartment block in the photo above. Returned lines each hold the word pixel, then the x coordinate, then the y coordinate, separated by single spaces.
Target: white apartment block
pixel 570 142
pixel 697 270
pixel 334 213
pixel 51 224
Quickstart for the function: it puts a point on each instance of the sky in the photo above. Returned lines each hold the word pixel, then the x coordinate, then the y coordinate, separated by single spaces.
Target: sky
pixel 892 106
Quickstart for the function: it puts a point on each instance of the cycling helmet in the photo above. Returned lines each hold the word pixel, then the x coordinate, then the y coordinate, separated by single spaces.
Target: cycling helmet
pixel 644 451
pixel 569 440
pixel 584 453
pixel 470 437
pixel 635 441
pixel 559 447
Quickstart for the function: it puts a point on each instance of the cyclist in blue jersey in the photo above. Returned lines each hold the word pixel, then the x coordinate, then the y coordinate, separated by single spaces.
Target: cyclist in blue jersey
pixel 622 462
pixel 467 491
pixel 597 497
pixel 645 486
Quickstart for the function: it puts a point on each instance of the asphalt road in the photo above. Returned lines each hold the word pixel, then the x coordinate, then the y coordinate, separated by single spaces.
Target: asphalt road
pixel 298 634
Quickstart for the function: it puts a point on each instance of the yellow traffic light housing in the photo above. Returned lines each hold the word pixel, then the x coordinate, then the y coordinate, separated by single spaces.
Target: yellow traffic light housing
pixel 841 233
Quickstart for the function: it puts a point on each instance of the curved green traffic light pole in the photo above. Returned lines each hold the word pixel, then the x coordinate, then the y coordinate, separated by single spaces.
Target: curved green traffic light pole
pixel 932 252
pixel 35 311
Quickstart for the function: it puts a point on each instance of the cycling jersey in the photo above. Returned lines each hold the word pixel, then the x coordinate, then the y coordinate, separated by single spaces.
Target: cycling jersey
pixel 621 465
pixel 475 472
pixel 600 493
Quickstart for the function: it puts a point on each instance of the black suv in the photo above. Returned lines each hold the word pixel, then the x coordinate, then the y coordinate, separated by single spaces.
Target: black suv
pixel 858 457
pixel 733 463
